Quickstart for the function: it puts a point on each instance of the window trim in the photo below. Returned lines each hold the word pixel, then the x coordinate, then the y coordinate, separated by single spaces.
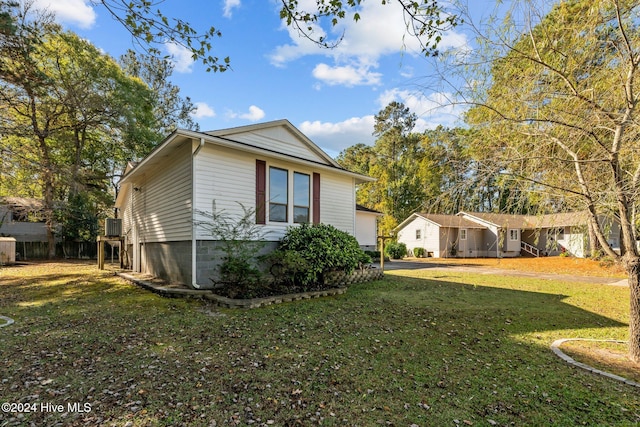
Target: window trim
pixel 313 207
pixel 272 203
pixel 308 205
pixel 418 234
pixel 517 234
pixel 463 234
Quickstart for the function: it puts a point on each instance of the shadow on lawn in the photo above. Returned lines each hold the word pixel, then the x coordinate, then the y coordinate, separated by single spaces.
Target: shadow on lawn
pixel 521 311
pixel 397 351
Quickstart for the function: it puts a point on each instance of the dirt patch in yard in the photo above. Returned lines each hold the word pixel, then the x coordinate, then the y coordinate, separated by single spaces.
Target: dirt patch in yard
pixel 557 265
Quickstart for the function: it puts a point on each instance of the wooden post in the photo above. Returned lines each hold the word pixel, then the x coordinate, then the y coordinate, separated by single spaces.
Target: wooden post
pixel 382 240
pixel 100 253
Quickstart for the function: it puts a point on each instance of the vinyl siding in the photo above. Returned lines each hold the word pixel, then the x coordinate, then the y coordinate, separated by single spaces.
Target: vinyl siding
pixel 226 178
pixel 278 139
pixel 162 207
pixel 127 215
pixel 429 236
pixel 337 202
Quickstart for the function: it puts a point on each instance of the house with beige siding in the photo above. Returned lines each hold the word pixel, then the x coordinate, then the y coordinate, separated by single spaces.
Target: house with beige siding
pixel 441 236
pixel 495 235
pixel 270 168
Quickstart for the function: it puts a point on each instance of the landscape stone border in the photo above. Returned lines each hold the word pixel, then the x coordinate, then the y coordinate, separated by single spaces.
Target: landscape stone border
pixel 339 280
pixel 555 346
pixel 265 301
pixel 8 321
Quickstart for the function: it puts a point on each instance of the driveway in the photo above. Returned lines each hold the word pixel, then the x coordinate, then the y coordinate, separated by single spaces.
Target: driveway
pixel 417 265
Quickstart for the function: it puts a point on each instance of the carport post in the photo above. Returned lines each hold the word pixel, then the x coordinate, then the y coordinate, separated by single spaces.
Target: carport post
pixel 382 240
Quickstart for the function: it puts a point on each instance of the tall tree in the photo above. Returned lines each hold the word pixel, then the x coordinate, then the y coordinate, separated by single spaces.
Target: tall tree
pixel 69 110
pixel 559 115
pixel 171 110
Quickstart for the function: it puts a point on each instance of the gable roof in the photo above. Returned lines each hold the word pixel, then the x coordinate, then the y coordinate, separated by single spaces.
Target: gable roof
pixel 255 139
pixel 441 220
pixel 360 208
pixel 500 220
pixel 271 134
pixel 561 219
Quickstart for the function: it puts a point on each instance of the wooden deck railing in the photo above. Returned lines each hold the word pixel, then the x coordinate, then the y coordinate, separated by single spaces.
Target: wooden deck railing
pixel 530 249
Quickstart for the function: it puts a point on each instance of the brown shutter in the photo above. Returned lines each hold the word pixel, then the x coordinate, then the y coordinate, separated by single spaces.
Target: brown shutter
pixel 316 198
pixel 261 191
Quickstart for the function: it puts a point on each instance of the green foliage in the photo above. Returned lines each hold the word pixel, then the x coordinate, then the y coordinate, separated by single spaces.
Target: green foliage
pixel 426 19
pixel 79 219
pixel 288 269
pixel 373 254
pixel 170 110
pixel 240 241
pixel 324 248
pixel 418 252
pixel 395 250
pixel 152 29
pixel 417 171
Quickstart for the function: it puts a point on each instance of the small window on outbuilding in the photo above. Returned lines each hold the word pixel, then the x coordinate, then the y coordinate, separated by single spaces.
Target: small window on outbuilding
pixel 463 234
pixel 418 234
pixel 513 234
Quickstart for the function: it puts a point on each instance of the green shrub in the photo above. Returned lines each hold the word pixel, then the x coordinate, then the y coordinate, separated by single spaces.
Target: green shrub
pixel 396 250
pixel 324 248
pixel 287 269
pixel 240 241
pixel 418 252
pixel 373 254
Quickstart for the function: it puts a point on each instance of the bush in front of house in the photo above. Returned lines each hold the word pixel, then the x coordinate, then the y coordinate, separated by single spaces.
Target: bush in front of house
pixel 324 248
pixel 396 250
pixel 418 252
pixel 240 241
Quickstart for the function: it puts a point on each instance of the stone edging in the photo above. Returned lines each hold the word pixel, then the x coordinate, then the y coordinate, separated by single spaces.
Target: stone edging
pixel 8 321
pixel 262 302
pixel 555 346
pixel 163 290
pixel 229 302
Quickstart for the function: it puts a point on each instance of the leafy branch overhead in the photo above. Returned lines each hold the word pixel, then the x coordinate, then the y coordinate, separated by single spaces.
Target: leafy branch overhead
pixel 151 28
pixel 425 19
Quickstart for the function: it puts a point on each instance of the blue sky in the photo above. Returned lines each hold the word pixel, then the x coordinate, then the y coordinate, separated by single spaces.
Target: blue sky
pixel 330 95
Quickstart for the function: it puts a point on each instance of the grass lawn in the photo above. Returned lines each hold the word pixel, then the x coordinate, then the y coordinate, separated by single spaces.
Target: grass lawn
pixel 427 348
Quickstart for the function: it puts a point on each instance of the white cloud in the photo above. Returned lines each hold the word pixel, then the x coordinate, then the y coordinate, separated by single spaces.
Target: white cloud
pixel 229 5
pixel 181 57
pixel 335 137
pixel 346 75
pixel 253 115
pixel 203 110
pixel 380 31
pixel 76 12
pixel 432 110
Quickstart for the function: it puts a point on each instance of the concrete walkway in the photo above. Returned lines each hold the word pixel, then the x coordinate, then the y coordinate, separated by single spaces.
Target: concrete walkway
pixel 477 269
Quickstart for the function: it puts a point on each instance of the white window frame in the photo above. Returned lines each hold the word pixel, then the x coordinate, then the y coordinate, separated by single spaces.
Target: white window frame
pixel 418 234
pixel 511 234
pixel 291 172
pixel 463 234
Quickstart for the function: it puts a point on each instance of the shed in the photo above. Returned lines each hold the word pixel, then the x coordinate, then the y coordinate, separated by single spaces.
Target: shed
pixel 7 250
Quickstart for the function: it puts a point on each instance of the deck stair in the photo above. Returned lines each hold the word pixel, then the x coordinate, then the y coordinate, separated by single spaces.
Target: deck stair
pixel 530 249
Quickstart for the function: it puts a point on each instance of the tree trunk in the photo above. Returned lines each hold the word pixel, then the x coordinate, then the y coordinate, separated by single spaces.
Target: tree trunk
pixel 594 245
pixel 633 268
